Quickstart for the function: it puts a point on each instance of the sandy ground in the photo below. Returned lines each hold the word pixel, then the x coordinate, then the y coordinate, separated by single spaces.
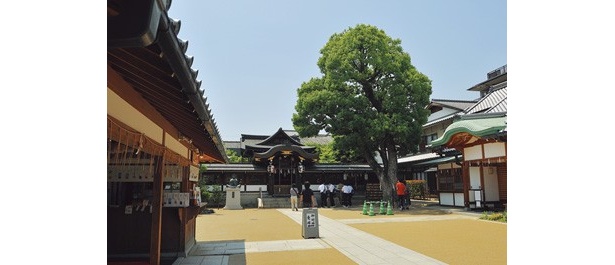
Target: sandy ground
pixel 463 240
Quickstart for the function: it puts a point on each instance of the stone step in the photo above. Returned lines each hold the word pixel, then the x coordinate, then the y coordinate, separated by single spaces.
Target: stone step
pixel 284 202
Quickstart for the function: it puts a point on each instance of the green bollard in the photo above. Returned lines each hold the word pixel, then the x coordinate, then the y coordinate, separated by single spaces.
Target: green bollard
pixel 364 207
pixel 382 209
pixel 371 209
pixel 389 209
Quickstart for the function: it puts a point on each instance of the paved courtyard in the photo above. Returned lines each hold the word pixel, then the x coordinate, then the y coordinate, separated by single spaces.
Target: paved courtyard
pixel 422 235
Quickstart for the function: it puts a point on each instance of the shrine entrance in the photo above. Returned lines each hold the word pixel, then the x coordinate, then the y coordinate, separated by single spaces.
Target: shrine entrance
pixel 284 169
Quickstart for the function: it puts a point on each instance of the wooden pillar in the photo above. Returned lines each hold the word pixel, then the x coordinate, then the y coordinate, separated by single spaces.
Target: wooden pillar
pixel 465 175
pixel 183 213
pixel 156 231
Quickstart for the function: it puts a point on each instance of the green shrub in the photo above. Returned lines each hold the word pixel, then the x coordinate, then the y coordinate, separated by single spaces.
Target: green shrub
pixel 494 216
pixel 212 194
pixel 417 188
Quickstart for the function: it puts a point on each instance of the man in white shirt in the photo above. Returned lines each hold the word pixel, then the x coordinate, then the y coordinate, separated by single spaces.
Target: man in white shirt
pixel 323 188
pixel 347 195
pixel 331 189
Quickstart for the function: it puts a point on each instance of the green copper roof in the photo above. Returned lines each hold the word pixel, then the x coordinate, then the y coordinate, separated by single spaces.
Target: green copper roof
pixel 477 127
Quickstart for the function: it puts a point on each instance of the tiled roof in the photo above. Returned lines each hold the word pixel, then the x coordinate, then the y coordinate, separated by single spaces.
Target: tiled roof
pixel 493 102
pixel 447 117
pixel 232 144
pixel 317 140
pixel 249 142
pixel 254 140
pixel 455 104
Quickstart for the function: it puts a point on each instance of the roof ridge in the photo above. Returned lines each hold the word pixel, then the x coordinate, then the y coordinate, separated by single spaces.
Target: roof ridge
pixel 456 100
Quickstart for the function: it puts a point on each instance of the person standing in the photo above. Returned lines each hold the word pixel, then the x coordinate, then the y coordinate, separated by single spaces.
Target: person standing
pixel 331 194
pixel 347 195
pixel 307 196
pixel 340 193
pixel 293 197
pixel 401 194
pixel 324 196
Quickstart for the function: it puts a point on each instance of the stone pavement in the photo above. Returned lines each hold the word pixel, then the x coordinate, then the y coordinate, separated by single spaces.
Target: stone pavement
pixel 358 246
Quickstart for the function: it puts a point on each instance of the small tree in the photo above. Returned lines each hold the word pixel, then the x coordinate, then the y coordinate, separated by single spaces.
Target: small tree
pixel 215 194
pixel 233 157
pixel 212 194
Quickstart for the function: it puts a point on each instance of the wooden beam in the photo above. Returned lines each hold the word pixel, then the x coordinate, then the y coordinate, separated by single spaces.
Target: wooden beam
pixel 156 231
pixel 118 85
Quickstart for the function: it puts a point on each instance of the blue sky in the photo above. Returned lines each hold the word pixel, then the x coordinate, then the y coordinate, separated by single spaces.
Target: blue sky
pixel 252 56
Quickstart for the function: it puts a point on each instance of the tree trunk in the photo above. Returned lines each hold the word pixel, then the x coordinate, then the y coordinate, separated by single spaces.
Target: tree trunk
pixel 390 177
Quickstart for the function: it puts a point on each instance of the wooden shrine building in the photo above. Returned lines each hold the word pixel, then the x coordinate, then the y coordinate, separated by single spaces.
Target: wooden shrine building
pixel 159 130
pixel 278 160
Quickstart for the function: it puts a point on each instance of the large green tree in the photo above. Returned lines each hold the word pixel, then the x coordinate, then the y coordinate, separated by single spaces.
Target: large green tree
pixel 370 98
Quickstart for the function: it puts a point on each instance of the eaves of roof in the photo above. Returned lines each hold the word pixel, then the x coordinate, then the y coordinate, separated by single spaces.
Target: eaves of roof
pixel 253 147
pixel 437 161
pixel 415 158
pixel 488 83
pixel 301 151
pixel 315 168
pixel 445 118
pixel 453 104
pixel 478 126
pixel 159 70
pixel 233 167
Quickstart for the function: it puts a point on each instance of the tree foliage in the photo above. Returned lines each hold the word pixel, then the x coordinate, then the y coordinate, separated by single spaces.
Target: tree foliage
pixel 326 152
pixel 369 97
pixel 233 157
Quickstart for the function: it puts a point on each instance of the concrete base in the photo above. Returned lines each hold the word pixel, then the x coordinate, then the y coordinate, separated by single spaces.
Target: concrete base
pixel 233 199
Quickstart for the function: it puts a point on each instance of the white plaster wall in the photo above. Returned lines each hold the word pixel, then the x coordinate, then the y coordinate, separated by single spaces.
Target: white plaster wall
pixel 474 177
pixel 446 199
pixel 472 153
pixel 494 150
pixel 459 199
pixel 124 112
pixel 176 146
pixel 490 178
pixel 255 187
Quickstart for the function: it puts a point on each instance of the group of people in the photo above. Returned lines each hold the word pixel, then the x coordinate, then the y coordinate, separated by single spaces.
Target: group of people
pixel 328 193
pixel 344 191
